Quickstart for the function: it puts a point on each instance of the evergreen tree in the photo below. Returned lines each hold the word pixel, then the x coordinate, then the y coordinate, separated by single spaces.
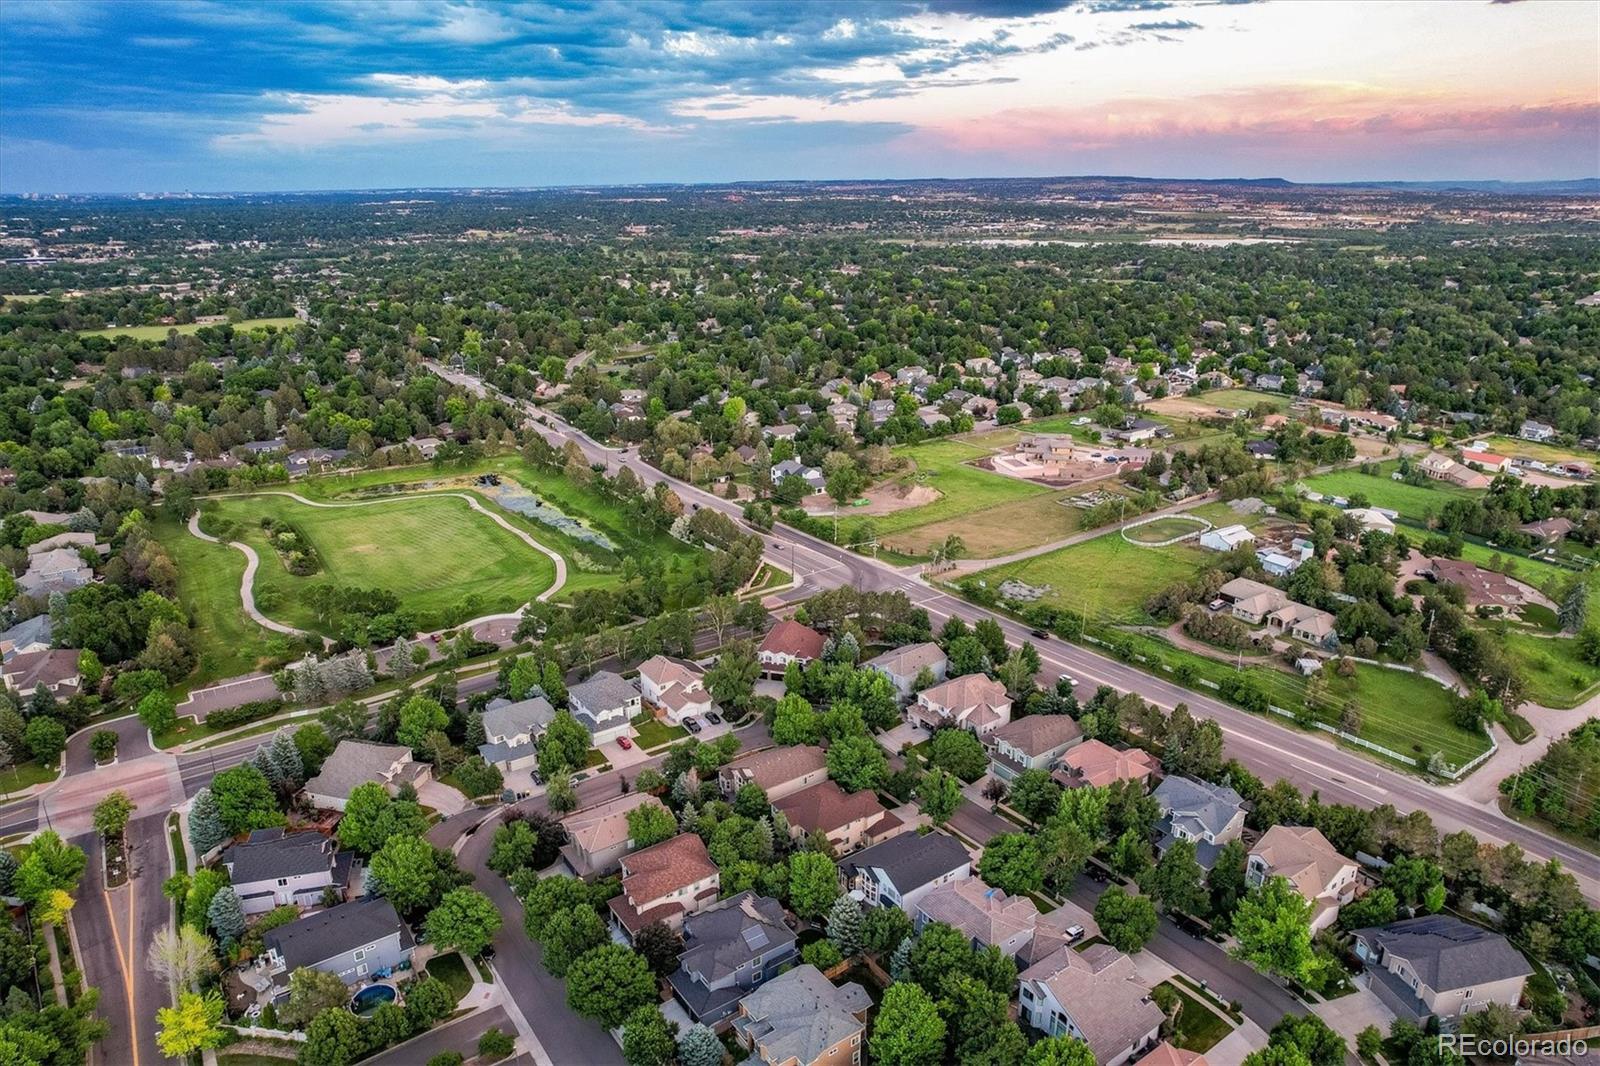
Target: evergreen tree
pixel 845 923
pixel 205 822
pixel 225 916
pixel 900 961
pixel 699 1046
pixel 284 757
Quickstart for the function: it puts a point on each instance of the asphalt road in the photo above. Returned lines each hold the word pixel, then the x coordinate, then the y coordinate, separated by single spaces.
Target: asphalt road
pixel 114 928
pixel 461 1035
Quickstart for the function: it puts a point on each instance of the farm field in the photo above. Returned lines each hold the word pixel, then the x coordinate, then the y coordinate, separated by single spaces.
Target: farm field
pixel 158 333
pixel 443 560
pixel 1413 502
pixel 1106 578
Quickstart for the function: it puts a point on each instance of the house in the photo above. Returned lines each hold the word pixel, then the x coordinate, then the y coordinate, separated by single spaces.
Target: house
pixel 1099 765
pixel 1269 382
pixel 880 411
pixel 1226 538
pixel 1031 743
pixel 1302 856
pixel 1549 530
pixel 982 914
pixel 1489 461
pixel 34 634
pixel 849 820
pixel 902 666
pixel 1251 601
pixel 976 702
pixel 604 704
pixel 788 642
pixel 779 772
pixel 1165 1054
pixel 1438 467
pixel 905 868
pixel 68 540
pixel 1372 519
pixel 353 941
pixel 1440 966
pixel 1307 624
pixel 812 477
pixel 1262 449
pixel 1536 431
pixel 56 570
pixel 55 670
pixel 781 432
pixel 1095 995
pixel 356 762
pixel 800 1018
pixel 271 868
pixel 1137 430
pixel 729 949
pixel 511 732
pixel 1483 588
pixel 598 836
pixel 663 883
pixel 1207 815
pixel 673 688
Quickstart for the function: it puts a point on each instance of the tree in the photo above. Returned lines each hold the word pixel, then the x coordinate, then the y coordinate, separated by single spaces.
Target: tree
pixel 609 983
pixel 564 746
pixel 193 1025
pixel 334 1038
pixel 49 864
pixel 909 1031
pixel 205 822
pixel 548 895
pixel 1126 921
pixel 1035 795
pixel 407 873
pixel 794 722
pixel 180 956
pixel 1175 881
pixel 959 752
pixel 699 1046
pixel 112 813
pixel 495 1044
pixel 1011 862
pixel 310 993
pixel 560 794
pixel 660 946
pixel 372 816
pixel 884 930
pixel 857 763
pixel 846 926
pixel 225 915
pixel 420 716
pixel 1273 929
pixel 245 800
pixel 1312 1037
pixel 648 1039
pixel 1059 1051
pixel 569 934
pixel 158 712
pixel 751 801
pixel 314 745
pixel 46 739
pixel 428 1001
pixel 940 795
pixel 650 823
pixel 731 680
pixel 813 883
pixel 344 720
pixel 977 1023
pixel 477 777
pixel 465 919
pixel 103 745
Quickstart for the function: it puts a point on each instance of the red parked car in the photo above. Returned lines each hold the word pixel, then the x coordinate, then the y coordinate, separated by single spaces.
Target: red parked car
pixel 624 743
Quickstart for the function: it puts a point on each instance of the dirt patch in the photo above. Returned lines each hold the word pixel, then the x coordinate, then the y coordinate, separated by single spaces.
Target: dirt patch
pixel 895 496
pixel 361 548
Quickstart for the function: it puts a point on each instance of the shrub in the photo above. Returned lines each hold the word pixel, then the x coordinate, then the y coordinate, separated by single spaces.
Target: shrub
pixel 245 713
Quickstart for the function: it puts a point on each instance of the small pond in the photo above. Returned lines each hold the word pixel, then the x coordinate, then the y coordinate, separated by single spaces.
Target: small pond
pixel 513 497
pixel 371 998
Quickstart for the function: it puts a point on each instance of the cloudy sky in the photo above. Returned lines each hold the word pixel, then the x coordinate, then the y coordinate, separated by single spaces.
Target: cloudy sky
pixel 125 96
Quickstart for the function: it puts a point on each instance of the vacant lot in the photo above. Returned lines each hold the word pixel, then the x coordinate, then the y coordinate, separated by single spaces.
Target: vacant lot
pixel 159 333
pixel 1415 502
pixel 446 562
pixel 1105 578
pixel 1163 529
pixel 1547 453
pixel 1555 675
pixel 1405 712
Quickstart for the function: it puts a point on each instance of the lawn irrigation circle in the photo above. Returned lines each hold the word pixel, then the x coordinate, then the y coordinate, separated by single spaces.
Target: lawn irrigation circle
pixel 1160 531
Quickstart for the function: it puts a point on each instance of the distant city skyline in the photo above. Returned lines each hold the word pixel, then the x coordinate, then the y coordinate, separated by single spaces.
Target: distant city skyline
pixel 210 96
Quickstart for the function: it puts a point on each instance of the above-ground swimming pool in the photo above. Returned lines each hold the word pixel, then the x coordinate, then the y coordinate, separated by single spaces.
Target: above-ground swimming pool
pixel 371 998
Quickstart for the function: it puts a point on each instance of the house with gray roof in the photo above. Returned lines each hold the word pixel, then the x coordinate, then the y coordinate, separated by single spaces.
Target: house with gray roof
pixel 271 868
pixel 56 570
pixel 33 635
pixel 800 1018
pixel 903 666
pixel 730 948
pixel 353 941
pixel 1440 966
pixel 605 704
pixel 511 732
pixel 356 762
pixel 903 869
pixel 1209 815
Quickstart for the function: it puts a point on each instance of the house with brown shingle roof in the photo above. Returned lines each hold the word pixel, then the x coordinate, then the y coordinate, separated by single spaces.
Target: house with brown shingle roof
pixel 1095 995
pixel 54 669
pixel 976 702
pixel 982 914
pixel 1031 743
pixel 663 883
pixel 1167 1054
pixel 1482 587
pixel 778 771
pixel 598 836
pixel 848 819
pixel 1099 765
pixel 788 642
pixel 1302 856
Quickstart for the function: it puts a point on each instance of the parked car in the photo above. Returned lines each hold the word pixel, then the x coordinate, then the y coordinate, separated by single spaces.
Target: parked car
pixel 1041 634
pixel 624 743
pixel 1070 680
pixel 692 725
pixel 1074 933
pixel 713 718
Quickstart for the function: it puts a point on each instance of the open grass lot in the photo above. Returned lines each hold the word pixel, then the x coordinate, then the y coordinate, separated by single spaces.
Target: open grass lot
pixel 1241 399
pixel 1404 712
pixel 1160 529
pixel 1547 453
pixel 1414 502
pixel 998 530
pixel 446 562
pixel 159 333
pixel 1106 578
pixel 1556 676
pixel 227 642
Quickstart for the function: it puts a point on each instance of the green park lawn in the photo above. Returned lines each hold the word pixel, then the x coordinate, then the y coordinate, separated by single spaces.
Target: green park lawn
pixel 443 560
pixel 1107 579
pixel 159 333
pixel 1413 502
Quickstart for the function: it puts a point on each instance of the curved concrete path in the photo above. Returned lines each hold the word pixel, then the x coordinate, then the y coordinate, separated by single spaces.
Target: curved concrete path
pixel 252 560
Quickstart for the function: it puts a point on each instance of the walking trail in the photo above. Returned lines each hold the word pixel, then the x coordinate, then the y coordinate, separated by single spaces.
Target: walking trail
pixel 252 560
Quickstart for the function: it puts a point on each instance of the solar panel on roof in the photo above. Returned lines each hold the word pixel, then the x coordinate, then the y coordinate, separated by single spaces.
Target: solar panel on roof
pixel 755 937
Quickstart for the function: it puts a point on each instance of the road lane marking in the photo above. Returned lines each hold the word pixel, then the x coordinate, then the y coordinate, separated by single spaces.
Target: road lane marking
pixel 122 961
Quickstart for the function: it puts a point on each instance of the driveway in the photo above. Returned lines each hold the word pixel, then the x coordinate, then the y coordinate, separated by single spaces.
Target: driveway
pixel 622 758
pixel 445 799
pixel 461 1035
pixel 901 735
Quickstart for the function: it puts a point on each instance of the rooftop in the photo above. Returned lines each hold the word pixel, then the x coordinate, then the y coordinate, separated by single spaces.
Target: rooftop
pixel 323 935
pixel 1447 953
pixel 355 762
pixel 911 860
pixel 791 638
pixel 603 691
pixel 1102 989
pixel 827 807
pixel 525 716
pixel 271 853
pixel 909 660
pixel 775 766
pixel 800 1014
pixel 980 912
pixel 1038 733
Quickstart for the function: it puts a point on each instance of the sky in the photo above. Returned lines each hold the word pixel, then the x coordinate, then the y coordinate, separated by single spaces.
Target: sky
pixel 222 95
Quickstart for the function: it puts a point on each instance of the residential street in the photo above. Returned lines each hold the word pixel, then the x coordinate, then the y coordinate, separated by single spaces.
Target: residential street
pixel 461 1035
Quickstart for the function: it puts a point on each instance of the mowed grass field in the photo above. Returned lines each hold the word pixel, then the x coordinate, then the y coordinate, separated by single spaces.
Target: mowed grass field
pixel 443 560
pixel 227 642
pixel 159 333
pixel 1547 453
pixel 1413 502
pixel 1106 578
pixel 1404 712
pixel 1160 529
